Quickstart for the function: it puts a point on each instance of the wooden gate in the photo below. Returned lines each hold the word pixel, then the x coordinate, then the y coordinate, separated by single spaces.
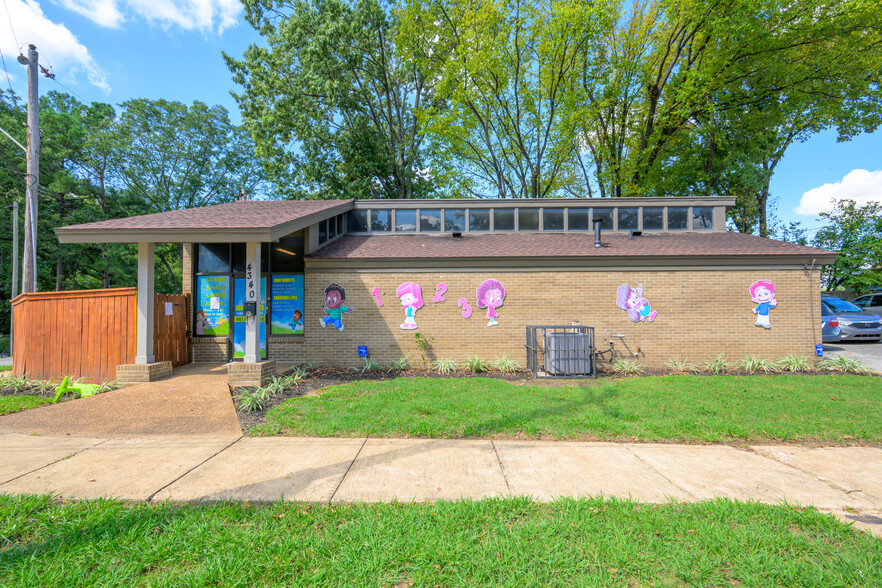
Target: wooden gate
pixel 171 328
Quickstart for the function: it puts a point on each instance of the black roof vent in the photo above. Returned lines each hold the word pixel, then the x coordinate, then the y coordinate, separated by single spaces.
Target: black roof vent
pixel 456 235
pixel 632 233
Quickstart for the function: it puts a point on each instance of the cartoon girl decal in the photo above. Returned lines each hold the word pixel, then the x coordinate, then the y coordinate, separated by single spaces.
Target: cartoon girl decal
pixel 201 322
pixel 412 300
pixel 490 294
pixel 627 298
pixel 763 293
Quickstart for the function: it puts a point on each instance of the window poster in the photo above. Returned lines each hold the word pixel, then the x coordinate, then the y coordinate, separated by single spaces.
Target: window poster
pixel 286 309
pixel 239 318
pixel 213 305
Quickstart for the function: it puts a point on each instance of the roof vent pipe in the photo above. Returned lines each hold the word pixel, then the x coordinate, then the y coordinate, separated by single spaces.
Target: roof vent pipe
pixel 597 242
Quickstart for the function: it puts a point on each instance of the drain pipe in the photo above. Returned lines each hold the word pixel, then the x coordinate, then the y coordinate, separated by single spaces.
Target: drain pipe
pixel 597 242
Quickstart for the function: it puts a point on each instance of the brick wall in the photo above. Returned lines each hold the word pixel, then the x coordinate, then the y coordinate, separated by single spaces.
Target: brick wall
pixel 701 313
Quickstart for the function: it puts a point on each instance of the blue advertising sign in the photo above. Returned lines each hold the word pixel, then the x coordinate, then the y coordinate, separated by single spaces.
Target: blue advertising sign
pixel 362 351
pixel 286 305
pixel 239 317
pixel 212 305
pixel 819 350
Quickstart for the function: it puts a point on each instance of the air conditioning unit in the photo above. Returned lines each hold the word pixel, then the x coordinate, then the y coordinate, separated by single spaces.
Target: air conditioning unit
pixel 568 354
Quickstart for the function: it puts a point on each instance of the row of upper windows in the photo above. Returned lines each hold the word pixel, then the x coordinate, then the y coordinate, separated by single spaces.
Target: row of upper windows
pixel 285 256
pixel 655 218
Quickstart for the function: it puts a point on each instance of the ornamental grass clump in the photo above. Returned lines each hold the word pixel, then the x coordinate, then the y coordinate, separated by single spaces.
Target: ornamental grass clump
pixel 397 365
pixel 844 365
pixel 682 366
pixel 506 365
pixel 796 364
pixel 624 367
pixel 758 364
pixel 444 366
pixel 477 365
pixel 718 365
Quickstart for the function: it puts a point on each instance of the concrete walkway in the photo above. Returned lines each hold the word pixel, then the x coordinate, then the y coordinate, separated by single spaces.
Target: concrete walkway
pixel 845 481
pixel 195 401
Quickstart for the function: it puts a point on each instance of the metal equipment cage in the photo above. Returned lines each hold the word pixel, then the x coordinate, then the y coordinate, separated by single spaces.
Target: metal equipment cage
pixel 560 351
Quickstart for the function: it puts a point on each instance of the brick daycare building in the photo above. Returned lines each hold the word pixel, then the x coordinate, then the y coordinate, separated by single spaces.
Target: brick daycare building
pixel 656 279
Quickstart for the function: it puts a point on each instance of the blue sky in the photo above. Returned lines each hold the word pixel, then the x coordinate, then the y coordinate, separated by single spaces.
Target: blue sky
pixel 114 50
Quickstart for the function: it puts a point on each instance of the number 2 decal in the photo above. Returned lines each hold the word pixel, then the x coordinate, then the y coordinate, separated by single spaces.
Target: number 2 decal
pixel 466 309
pixel 439 297
pixel 376 293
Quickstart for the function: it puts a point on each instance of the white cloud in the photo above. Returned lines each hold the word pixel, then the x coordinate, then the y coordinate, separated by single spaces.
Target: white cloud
pixel 101 12
pixel 202 15
pixel 859 185
pixel 54 41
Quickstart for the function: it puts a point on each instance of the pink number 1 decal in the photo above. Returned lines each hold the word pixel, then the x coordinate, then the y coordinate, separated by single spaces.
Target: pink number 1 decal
pixel 466 309
pixel 439 297
pixel 376 293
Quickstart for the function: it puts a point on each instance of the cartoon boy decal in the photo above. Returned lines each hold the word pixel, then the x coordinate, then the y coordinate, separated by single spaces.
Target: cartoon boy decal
pixel 412 300
pixel 335 295
pixel 627 298
pixel 296 320
pixel 763 293
pixel 490 295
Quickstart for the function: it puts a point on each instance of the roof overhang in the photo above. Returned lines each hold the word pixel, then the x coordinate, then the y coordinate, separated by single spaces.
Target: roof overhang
pixel 573 263
pixel 84 234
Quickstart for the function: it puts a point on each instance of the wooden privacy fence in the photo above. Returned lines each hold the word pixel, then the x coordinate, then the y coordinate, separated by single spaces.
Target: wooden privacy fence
pixel 171 320
pixel 82 333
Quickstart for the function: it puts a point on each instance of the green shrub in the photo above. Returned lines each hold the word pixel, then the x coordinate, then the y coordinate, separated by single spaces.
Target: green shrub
pixel 250 400
pixel 371 366
pixel 444 366
pixel 477 364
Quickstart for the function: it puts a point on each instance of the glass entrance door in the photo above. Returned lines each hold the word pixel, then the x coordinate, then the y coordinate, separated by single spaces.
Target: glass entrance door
pixel 239 317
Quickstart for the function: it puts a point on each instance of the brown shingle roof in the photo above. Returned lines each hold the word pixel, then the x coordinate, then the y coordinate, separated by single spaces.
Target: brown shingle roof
pixel 557 245
pixel 250 220
pixel 249 214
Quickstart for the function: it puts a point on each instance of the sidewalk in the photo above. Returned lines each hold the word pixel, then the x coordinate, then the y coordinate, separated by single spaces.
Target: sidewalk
pixel 332 470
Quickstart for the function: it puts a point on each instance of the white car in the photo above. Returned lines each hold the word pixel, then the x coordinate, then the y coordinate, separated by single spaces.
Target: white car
pixel 869 302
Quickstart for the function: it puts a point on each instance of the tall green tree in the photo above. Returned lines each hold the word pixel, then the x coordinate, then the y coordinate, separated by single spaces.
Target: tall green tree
pixel 856 233
pixel 504 72
pixel 330 100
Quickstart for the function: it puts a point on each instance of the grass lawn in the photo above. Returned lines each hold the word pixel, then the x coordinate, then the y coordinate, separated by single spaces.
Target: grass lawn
pixel 829 408
pixel 10 404
pixel 494 542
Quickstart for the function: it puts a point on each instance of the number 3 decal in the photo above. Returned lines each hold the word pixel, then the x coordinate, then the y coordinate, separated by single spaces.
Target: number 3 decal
pixel 439 297
pixel 466 309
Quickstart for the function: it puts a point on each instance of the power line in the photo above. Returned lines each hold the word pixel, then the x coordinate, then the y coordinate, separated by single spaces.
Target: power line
pixel 3 59
pixel 17 44
pixel 50 73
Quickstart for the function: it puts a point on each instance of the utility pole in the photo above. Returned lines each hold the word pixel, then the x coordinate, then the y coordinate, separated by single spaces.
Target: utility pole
pixel 14 289
pixel 29 262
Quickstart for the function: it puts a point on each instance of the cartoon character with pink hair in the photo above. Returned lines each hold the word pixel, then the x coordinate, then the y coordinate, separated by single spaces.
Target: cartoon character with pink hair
pixel 627 298
pixel 763 293
pixel 412 300
pixel 490 294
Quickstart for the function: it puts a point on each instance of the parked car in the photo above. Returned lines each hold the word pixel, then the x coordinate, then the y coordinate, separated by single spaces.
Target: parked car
pixel 830 331
pixel 854 323
pixel 869 302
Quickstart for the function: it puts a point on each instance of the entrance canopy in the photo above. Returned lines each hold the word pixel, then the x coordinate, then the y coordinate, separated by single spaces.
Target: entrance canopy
pixel 246 221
